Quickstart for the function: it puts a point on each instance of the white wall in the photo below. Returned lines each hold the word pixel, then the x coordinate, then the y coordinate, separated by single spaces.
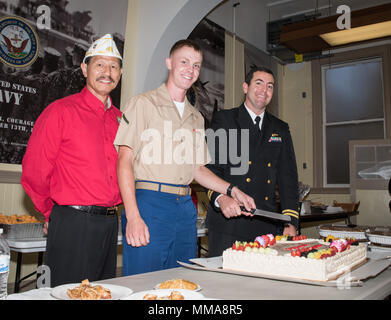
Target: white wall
pixel 293 80
pixel 160 25
pixel 250 16
pixel 153 20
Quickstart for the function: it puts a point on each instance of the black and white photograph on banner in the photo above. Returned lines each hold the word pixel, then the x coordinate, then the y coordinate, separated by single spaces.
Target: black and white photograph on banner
pixel 42 45
pixel 207 93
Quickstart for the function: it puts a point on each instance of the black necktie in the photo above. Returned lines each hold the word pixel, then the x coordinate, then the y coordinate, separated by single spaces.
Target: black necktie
pixel 257 120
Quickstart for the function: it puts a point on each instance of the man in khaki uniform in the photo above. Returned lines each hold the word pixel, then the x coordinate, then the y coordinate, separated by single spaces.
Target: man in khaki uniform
pixel 162 149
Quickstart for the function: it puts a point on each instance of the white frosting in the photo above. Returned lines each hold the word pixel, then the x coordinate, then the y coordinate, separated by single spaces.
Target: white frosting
pixel 285 265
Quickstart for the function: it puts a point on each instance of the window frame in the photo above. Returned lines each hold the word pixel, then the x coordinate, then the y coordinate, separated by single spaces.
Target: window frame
pixel 380 51
pixel 326 124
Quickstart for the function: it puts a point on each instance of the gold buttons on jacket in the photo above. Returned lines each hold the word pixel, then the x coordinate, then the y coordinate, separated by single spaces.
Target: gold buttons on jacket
pixel 248 179
pixel 269 164
pixel 250 162
pixel 268 181
pixel 266 198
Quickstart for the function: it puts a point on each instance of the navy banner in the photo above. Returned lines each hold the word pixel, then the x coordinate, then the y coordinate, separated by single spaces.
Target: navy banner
pixel 42 44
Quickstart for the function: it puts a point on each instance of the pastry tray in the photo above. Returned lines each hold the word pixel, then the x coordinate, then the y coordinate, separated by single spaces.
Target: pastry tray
pixel 22 231
pixel 376 238
pixel 359 235
pixel 380 235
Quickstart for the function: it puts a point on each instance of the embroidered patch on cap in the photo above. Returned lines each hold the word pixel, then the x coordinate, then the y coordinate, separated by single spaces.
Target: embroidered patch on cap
pixel 104 46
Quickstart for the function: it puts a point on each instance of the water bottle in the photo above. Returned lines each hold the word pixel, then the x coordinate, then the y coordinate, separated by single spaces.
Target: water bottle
pixel 4 266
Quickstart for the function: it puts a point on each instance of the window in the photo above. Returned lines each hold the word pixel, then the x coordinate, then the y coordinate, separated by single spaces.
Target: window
pixel 353 109
pixel 351 101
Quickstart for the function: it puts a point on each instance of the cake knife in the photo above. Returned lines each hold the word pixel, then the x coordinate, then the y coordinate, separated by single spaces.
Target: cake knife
pixel 267 214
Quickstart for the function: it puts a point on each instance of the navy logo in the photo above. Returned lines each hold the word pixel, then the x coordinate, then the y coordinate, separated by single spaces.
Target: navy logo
pixel 19 43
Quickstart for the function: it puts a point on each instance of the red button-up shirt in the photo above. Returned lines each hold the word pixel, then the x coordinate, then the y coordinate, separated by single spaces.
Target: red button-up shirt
pixel 70 157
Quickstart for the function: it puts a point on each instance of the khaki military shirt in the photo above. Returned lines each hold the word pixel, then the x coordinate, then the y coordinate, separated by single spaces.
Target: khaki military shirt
pixel 166 147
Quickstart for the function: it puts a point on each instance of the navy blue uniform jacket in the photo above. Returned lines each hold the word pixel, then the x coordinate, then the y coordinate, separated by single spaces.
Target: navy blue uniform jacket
pixel 271 166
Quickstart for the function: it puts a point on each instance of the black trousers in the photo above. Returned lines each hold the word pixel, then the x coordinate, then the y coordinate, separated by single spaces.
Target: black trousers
pixel 80 246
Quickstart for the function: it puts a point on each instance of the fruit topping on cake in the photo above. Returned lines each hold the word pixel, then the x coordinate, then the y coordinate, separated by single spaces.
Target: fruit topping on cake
pixel 290 238
pixel 297 257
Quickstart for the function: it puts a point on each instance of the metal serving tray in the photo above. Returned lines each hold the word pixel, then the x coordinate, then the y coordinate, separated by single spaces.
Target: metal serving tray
pixel 22 230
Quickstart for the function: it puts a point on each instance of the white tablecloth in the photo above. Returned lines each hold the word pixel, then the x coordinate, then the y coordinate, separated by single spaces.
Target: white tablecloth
pixel 234 287
pixel 35 294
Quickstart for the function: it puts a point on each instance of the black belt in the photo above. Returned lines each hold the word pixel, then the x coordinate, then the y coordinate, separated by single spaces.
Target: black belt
pixel 105 211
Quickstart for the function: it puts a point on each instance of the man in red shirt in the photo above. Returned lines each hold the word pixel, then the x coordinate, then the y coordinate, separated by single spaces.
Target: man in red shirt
pixel 69 172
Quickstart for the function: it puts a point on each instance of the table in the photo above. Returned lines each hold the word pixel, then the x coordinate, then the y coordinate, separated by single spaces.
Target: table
pixel 26 246
pixel 39 245
pixel 225 286
pixel 311 217
pixel 314 217
pixel 236 287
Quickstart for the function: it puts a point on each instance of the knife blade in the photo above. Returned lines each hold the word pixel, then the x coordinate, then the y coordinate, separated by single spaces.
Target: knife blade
pixel 267 214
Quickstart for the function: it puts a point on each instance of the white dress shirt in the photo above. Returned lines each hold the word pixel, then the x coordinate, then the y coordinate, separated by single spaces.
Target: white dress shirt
pixel 253 116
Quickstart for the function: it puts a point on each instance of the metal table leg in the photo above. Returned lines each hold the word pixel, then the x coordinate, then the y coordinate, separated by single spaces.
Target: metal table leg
pixel 18 280
pixel 17 275
pixel 40 261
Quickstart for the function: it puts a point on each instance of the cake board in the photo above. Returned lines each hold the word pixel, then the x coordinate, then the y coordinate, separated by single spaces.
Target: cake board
pixel 366 269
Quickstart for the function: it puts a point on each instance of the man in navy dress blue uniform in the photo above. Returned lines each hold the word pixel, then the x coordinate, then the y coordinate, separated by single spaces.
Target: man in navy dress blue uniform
pixel 271 166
